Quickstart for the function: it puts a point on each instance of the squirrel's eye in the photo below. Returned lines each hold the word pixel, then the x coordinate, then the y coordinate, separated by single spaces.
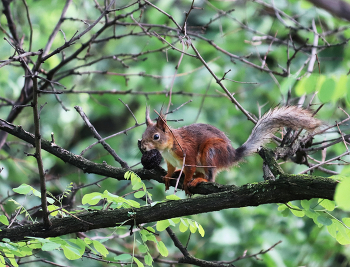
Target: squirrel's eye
pixel 156 136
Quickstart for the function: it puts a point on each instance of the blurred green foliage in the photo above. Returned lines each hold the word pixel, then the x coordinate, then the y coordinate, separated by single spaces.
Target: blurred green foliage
pixel 243 32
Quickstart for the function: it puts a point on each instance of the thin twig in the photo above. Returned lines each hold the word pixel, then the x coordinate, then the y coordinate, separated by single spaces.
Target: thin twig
pixel 99 138
pixel 173 79
pixel 222 86
pixel 30 25
pixel 132 114
pixel 19 57
pixel 57 27
pixel 74 39
pixel 325 162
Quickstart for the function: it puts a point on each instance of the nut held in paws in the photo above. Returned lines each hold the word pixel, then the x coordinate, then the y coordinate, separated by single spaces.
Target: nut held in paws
pixel 151 159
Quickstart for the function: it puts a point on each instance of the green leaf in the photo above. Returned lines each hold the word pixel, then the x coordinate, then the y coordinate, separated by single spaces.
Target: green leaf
pixel 148 259
pixel 327 204
pixel 49 246
pixel 8 246
pixel 100 248
pixel 346 221
pixel 137 185
pixel 26 251
pixel 176 220
pixel 307 85
pixel 128 174
pixel 50 200
pixel 172 223
pixel 95 208
pixel 92 198
pixel 183 226
pixel 327 90
pixel 332 229
pixel 151 237
pixel 162 249
pixel 23 189
pixel 35 245
pixel 345 172
pixel 78 243
pixel 281 207
pixel 193 227
pixel 51 208
pixel 347 98
pixel 324 220
pixel 343 235
pixel 71 253
pixel 142 248
pixel 173 197
pixel 139 263
pixel 285 213
pixel 313 215
pixel 132 203
pixel 2 261
pixel 12 259
pixel 145 235
pixel 343 239
pixel 36 192
pixel 87 241
pixel 305 204
pixel 139 194
pixel 341 87
pixel 342 196
pixel 150 229
pixel 162 225
pixel 200 229
pixel 286 85
pixel 123 257
pixel 296 211
pixel 4 220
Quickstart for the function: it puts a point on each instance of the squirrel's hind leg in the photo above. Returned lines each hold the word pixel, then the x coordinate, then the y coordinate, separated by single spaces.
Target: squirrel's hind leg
pixel 216 155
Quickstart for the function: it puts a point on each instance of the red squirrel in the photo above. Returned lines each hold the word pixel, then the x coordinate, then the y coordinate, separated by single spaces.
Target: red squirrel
pixel 207 150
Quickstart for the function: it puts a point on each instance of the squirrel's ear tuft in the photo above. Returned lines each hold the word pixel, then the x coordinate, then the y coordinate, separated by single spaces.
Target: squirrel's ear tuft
pixel 148 119
pixel 161 123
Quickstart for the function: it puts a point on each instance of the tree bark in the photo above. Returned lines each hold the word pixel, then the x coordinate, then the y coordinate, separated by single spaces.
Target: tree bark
pixel 281 190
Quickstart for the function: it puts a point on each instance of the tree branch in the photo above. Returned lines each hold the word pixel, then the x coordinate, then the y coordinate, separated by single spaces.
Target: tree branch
pixel 98 137
pixel 36 115
pixel 280 191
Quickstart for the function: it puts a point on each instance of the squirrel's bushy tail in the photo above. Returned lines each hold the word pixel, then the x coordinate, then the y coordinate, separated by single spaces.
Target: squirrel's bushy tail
pixel 290 116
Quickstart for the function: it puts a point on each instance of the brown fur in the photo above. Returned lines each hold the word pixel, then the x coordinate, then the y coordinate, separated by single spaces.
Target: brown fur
pixel 207 150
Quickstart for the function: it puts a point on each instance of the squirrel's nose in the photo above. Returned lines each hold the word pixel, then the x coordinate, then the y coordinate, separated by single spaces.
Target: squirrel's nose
pixel 140 145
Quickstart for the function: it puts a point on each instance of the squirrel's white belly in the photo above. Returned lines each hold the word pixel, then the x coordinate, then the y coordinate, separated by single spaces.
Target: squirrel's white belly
pixel 169 157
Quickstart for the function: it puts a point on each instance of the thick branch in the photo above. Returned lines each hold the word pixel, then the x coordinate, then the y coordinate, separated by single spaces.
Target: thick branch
pixel 279 191
pixel 76 160
pixel 10 22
